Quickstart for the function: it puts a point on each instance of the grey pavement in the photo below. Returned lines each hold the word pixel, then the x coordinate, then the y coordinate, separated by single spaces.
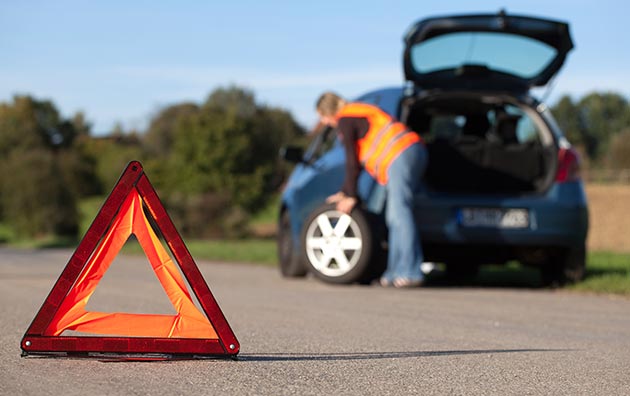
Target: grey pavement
pixel 303 337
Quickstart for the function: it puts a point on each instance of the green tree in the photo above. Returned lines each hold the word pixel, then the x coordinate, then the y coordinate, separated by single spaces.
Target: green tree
pixel 223 153
pixel 568 116
pixel 593 120
pixel 28 122
pixel 158 139
pixel 604 115
pixel 20 126
pixel 36 203
pixel 111 155
pixel 44 171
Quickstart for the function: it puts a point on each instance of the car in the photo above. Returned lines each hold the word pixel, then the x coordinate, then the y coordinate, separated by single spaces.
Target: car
pixel 502 183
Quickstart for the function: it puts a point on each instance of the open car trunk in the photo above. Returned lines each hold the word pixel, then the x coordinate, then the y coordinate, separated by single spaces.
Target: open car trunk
pixel 484 144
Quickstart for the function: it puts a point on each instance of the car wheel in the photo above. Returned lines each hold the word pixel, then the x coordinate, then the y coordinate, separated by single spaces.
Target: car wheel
pixel 291 263
pixel 339 248
pixel 566 267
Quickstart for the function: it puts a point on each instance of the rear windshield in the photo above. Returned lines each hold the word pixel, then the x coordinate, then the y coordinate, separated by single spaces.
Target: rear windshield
pixel 512 54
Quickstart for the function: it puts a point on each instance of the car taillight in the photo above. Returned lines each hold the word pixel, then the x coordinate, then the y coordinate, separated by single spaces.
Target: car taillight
pixel 568 165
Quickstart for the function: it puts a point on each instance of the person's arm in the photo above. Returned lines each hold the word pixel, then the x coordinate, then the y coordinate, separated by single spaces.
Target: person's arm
pixel 352 129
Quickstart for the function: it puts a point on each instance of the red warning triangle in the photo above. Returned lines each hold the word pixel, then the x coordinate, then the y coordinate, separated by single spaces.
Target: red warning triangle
pixel 188 333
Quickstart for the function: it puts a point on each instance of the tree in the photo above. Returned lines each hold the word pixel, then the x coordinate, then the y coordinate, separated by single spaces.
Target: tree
pixel 604 115
pixel 43 170
pixel 224 153
pixel 20 126
pixel 158 139
pixel 568 116
pixel 112 154
pixel 35 201
pixel 28 122
pixel 592 121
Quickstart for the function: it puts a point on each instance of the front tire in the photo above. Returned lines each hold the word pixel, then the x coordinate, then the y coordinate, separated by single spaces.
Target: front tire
pixel 291 263
pixel 339 248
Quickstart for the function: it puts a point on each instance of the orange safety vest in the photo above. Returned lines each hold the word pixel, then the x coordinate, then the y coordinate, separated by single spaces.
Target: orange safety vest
pixel 384 141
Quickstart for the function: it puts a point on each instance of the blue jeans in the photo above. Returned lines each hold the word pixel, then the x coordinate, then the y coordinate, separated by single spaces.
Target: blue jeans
pixel 405 252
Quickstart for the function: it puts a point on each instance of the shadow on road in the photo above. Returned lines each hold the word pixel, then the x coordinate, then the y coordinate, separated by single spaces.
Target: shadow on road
pixel 507 276
pixel 284 357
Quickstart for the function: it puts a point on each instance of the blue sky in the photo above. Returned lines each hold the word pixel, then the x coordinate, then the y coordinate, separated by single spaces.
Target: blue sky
pixel 121 61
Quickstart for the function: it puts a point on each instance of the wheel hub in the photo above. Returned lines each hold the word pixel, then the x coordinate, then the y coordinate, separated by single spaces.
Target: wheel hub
pixel 333 243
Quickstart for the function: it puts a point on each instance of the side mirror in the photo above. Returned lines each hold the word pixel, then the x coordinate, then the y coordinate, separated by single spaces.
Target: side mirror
pixel 292 154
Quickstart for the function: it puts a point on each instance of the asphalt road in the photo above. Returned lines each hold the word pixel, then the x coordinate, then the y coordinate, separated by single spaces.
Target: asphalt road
pixel 304 337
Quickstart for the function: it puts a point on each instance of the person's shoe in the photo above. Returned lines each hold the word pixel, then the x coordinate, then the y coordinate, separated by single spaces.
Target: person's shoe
pixel 405 283
pixel 385 282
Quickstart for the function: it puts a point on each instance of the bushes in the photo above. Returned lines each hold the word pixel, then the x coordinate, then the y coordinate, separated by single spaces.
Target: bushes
pixel 207 215
pixel 213 164
pixel 34 199
pixel 43 170
pixel 221 163
pixel 619 151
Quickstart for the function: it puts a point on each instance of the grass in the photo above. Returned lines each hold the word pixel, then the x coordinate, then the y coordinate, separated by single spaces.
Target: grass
pixel 253 251
pixel 606 272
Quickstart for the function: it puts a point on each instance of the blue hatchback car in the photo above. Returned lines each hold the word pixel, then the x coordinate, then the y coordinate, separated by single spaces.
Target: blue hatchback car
pixel 502 183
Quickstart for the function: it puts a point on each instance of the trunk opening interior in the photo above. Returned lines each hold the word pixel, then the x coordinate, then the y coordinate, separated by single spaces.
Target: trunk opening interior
pixel 483 145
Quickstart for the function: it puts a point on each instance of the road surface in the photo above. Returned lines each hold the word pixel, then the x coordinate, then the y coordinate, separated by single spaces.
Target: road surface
pixel 304 337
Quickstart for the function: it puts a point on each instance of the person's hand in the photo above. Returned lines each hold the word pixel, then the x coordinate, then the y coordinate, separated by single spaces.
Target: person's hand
pixel 336 197
pixel 345 204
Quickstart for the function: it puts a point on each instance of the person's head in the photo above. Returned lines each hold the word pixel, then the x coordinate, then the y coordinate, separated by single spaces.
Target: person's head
pixel 328 105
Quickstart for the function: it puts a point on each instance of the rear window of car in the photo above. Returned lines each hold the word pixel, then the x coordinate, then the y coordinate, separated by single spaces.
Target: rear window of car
pixel 508 124
pixel 512 54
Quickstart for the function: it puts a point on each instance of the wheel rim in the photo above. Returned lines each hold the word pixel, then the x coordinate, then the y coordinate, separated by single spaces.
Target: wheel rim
pixel 333 243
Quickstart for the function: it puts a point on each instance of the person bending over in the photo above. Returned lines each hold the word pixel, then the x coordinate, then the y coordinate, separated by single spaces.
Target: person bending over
pixel 397 158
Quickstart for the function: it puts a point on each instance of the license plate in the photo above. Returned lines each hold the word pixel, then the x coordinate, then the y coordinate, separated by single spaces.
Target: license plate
pixel 494 217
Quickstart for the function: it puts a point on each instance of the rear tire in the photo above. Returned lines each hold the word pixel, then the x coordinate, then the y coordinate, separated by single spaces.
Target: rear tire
pixel 340 248
pixel 566 267
pixel 291 263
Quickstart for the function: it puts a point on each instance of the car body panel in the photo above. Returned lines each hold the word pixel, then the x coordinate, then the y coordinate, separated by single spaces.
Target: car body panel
pixel 559 217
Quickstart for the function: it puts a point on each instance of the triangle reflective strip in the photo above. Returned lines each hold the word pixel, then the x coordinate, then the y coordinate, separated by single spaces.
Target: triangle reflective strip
pixel 189 332
pixel 188 323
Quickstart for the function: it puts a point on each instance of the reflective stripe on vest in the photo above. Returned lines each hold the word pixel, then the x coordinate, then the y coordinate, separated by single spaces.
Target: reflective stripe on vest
pixel 384 141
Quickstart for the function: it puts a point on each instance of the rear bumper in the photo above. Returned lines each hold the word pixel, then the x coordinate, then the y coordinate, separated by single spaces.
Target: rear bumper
pixel 558 218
